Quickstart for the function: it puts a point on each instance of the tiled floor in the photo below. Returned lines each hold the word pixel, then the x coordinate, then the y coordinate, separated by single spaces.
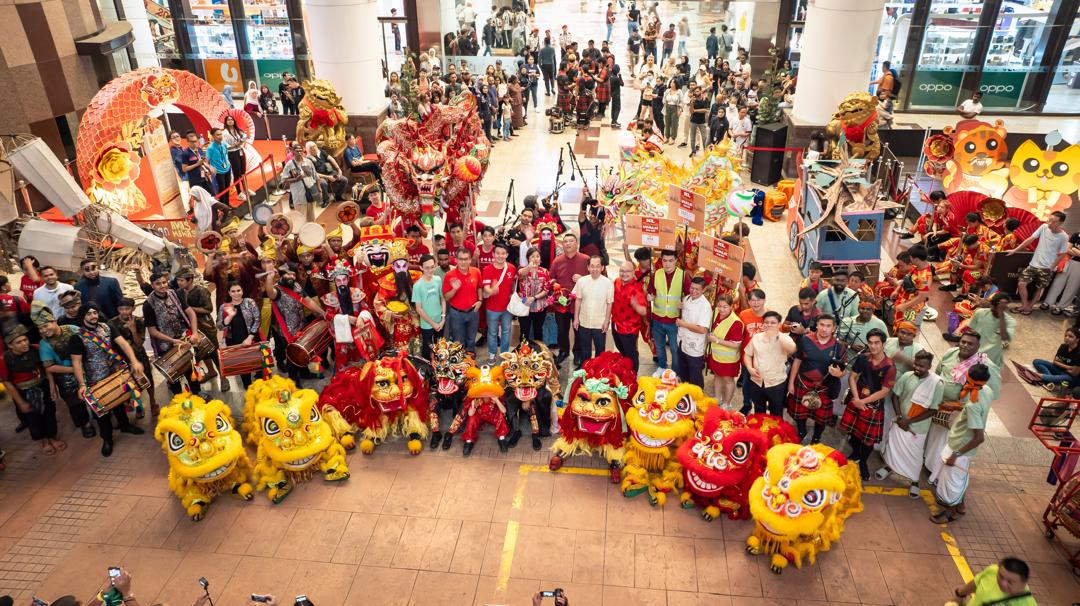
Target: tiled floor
pixel 494 529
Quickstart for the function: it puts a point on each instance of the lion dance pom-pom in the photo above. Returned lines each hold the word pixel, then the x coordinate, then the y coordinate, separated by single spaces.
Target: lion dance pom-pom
pixel 293 439
pixel 799 505
pixel 206 453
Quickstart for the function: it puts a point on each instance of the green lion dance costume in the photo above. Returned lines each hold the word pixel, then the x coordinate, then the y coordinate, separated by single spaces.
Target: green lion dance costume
pixel 800 503
pixel 663 414
pixel 293 438
pixel 206 453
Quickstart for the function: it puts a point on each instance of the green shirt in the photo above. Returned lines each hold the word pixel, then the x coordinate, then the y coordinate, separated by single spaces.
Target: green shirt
pixel 971 417
pixel 854 332
pixel 892 347
pixel 905 387
pixel 844 305
pixel 987 590
pixel 427 295
pixel 988 327
pixel 952 390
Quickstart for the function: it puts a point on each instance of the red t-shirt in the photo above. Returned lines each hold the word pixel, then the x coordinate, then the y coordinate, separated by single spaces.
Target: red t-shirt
pixel 466 296
pixel 13 303
pixel 28 286
pixel 483 259
pixel 563 269
pixel 453 248
pixel 417 251
pixel 752 324
pixel 492 275
pixel 374 211
pixel 624 318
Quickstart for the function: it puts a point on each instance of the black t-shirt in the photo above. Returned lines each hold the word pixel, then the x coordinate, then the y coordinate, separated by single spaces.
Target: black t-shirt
pixel 322 163
pixel 635 15
pixel 698 116
pixel 633 44
pixel 1066 356
pixel 795 315
pixel 77 347
pixel 1074 240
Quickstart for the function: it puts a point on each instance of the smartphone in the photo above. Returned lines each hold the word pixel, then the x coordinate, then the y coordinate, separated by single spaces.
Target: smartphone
pixel 301 599
pixel 39 602
pixel 205 584
pixel 547 594
pixel 114 572
pixel 257 597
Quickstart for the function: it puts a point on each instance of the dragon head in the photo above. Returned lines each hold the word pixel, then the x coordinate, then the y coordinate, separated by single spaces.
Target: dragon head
pixel 429 170
pixel 800 486
pixel 528 368
pixel 199 437
pixel 722 453
pixel 450 363
pixel 286 423
pixel 598 395
pixel 663 411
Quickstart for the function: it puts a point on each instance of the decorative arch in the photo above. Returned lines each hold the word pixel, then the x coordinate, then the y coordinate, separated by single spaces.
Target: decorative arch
pixel 111 129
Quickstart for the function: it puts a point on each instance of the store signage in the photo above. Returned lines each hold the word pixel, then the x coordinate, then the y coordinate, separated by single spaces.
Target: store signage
pixel 936 88
pixel 686 207
pixel 720 257
pixel 270 71
pixel 655 232
pixel 1002 89
pixel 220 72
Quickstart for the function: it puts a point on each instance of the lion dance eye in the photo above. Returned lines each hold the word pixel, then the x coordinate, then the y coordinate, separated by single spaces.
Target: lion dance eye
pixel 315 416
pixel 221 424
pixel 740 452
pixel 639 401
pixel 270 427
pixel 175 442
pixel 603 402
pixel 685 406
pixel 814 499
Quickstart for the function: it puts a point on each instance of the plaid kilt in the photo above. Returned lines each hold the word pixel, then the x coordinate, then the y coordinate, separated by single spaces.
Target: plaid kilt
pixel 799 412
pixel 866 426
pixel 603 92
pixel 584 102
pixel 566 102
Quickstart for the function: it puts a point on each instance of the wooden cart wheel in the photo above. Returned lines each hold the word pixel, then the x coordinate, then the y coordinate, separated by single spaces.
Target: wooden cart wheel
pixel 801 256
pixel 793 236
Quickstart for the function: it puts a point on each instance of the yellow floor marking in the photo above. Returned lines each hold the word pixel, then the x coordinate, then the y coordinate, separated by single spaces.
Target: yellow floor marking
pixel 506 561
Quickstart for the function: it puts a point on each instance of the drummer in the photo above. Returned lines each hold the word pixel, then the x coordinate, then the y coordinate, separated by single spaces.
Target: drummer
pixel 238 321
pixel 197 299
pixel 288 300
pixel 94 356
pixel 170 322
pixel 235 261
pixel 133 329
pixel 335 241
pixel 56 357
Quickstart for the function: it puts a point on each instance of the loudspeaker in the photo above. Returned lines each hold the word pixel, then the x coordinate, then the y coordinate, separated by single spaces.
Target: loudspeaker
pixel 767 166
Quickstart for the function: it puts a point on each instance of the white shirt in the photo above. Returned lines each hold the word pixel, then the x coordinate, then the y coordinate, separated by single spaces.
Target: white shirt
pixel 565 39
pixel 699 313
pixel 744 68
pixel 594 295
pixel 741 127
pixel 52 297
pixel 971 107
pixel 1048 249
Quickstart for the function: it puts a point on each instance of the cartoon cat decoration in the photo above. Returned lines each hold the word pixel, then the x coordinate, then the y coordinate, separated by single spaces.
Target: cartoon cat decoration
pixel 1044 180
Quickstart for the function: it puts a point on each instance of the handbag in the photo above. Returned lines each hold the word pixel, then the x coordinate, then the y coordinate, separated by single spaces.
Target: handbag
pixel 517 306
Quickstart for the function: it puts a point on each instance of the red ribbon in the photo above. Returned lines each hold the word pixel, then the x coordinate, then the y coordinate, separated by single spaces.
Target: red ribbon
pixel 320 117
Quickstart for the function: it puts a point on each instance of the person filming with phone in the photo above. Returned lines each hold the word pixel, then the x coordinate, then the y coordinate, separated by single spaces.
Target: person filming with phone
pixel 557 594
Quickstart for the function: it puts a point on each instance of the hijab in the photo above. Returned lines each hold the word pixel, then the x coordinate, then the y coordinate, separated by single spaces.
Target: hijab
pixel 203 204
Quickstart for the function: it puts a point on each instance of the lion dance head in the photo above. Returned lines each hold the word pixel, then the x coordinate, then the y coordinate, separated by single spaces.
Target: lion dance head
pixel 529 368
pixel 450 361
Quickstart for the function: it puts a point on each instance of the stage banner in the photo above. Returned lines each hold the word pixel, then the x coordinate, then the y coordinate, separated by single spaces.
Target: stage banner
pixel 654 232
pixel 720 257
pixel 156 151
pixel 686 207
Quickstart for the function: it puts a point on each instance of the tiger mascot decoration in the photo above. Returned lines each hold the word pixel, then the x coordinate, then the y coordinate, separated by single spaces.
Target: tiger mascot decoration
pixel 723 458
pixel 800 503
pixel 980 160
pixel 663 413
pixel 592 420
pixel 206 453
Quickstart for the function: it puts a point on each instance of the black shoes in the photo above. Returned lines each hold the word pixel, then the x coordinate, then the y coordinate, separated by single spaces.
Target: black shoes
pixel 436 439
pixel 560 359
pixel 88 431
pixel 536 442
pixel 446 440
pixel 906 236
pixel 466 450
pixel 133 429
pixel 502 445
pixel 514 437
pixel 106 448
pixel 949 288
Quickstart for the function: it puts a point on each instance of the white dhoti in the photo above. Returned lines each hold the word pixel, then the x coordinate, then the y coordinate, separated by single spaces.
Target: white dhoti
pixel 952 480
pixel 905 452
pixel 936 439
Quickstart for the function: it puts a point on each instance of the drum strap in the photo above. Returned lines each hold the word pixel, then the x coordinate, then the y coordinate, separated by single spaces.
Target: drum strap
pixel 97 340
pixel 289 337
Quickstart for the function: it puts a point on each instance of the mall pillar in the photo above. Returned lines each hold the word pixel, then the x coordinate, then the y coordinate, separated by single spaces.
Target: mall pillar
pixel 838 47
pixel 135 14
pixel 346 50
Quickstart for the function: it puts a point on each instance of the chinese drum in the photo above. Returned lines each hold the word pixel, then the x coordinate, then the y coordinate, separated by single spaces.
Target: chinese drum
pixel 309 344
pixel 177 362
pixel 245 359
pixel 114 390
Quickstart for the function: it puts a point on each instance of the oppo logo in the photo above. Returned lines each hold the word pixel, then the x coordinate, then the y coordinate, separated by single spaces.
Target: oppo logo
pixel 935 88
pixel 997 88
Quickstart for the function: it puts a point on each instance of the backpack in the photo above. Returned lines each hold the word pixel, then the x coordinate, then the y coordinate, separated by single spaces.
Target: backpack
pixel 896 83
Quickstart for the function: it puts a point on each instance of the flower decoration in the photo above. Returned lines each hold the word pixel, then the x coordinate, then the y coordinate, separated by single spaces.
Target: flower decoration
pixel 159 88
pixel 117 166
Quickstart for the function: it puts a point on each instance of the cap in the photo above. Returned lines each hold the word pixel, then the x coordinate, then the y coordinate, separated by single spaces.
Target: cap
pixel 40 313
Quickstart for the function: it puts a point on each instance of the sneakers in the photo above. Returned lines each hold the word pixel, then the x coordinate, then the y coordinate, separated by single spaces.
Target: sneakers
pixel 659 371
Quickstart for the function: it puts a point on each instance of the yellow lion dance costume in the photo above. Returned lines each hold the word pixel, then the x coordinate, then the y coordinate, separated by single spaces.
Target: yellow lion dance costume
pixel 662 415
pixel 799 505
pixel 206 454
pixel 292 437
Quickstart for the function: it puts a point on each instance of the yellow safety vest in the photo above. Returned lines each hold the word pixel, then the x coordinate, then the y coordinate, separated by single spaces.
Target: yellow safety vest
pixel 666 304
pixel 721 353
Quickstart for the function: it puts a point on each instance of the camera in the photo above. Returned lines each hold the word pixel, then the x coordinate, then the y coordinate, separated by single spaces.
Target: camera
pixel 557 592
pixel 205 584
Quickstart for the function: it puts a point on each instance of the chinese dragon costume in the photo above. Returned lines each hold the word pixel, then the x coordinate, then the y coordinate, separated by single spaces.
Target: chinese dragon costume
pixel 292 438
pixel 485 387
pixel 724 458
pixel 663 413
pixel 384 397
pixel 206 454
pixel 592 420
pixel 450 361
pixel 800 503
pixel 434 167
pixel 532 378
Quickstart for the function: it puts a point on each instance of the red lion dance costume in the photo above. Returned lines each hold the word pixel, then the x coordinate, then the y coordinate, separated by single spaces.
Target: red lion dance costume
pixel 723 459
pixel 483 406
pixel 434 167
